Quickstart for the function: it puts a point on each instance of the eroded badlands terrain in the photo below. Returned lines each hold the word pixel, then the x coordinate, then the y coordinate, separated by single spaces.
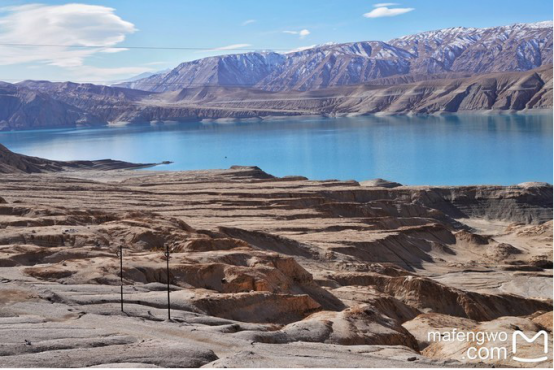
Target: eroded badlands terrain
pixel 265 271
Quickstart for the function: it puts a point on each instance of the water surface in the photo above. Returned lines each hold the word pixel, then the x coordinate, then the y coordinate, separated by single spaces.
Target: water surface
pixel 448 150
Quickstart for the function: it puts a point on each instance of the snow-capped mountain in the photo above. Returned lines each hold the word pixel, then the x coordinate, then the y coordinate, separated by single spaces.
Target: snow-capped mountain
pixel 516 47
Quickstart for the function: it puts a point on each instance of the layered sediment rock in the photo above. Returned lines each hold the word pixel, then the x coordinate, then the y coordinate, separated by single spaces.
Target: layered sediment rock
pixel 263 264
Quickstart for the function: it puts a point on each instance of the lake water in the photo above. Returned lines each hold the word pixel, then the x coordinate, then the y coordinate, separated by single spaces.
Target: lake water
pixel 448 150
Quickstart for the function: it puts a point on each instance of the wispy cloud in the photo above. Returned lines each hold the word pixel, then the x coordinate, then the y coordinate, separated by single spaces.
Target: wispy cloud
pixel 247 22
pixel 49 33
pixel 303 33
pixel 387 12
pixel 380 5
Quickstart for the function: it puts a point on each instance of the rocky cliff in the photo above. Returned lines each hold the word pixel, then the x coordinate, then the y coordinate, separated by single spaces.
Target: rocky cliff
pixel 498 92
pixel 33 104
pixel 22 108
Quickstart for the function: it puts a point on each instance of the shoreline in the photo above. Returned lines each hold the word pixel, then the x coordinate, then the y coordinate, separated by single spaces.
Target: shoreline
pixel 275 118
pixel 128 173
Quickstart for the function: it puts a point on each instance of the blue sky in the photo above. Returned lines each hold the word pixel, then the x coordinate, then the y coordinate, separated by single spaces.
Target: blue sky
pixel 218 24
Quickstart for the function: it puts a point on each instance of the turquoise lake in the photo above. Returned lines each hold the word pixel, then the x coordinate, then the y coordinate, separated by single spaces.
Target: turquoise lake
pixel 430 150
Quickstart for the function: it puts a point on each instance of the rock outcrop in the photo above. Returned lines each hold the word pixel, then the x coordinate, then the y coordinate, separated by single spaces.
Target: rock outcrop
pixel 427 295
pixel 356 325
pixel 380 183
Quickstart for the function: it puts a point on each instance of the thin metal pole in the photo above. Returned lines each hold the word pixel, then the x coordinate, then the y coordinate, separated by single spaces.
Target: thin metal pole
pixel 167 269
pixel 121 272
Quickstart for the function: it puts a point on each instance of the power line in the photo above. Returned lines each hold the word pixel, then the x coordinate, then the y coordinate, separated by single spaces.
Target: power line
pixel 102 83
pixel 179 85
pixel 140 47
pixel 184 85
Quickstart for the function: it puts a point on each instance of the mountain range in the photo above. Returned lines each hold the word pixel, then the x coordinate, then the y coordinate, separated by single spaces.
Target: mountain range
pixel 457 69
pixel 518 47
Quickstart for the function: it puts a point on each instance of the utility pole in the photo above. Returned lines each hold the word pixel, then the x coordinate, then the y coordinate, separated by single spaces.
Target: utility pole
pixel 167 269
pixel 121 272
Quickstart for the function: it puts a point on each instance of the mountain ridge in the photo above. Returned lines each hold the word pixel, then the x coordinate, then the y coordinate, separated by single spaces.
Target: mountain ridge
pixel 516 47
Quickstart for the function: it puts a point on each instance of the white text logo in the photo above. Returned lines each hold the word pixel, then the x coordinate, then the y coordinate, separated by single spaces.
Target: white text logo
pixel 518 333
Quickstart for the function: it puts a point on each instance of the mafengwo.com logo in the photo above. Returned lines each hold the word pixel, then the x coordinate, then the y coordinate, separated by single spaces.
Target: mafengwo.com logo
pixel 495 346
pixel 541 338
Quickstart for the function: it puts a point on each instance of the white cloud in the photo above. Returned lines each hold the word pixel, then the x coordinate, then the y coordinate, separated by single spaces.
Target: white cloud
pixel 302 33
pixel 380 5
pixel 247 22
pixel 66 29
pixel 386 12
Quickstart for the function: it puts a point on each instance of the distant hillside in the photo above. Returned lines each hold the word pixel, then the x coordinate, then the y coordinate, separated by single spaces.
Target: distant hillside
pixel 453 70
pixel 29 105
